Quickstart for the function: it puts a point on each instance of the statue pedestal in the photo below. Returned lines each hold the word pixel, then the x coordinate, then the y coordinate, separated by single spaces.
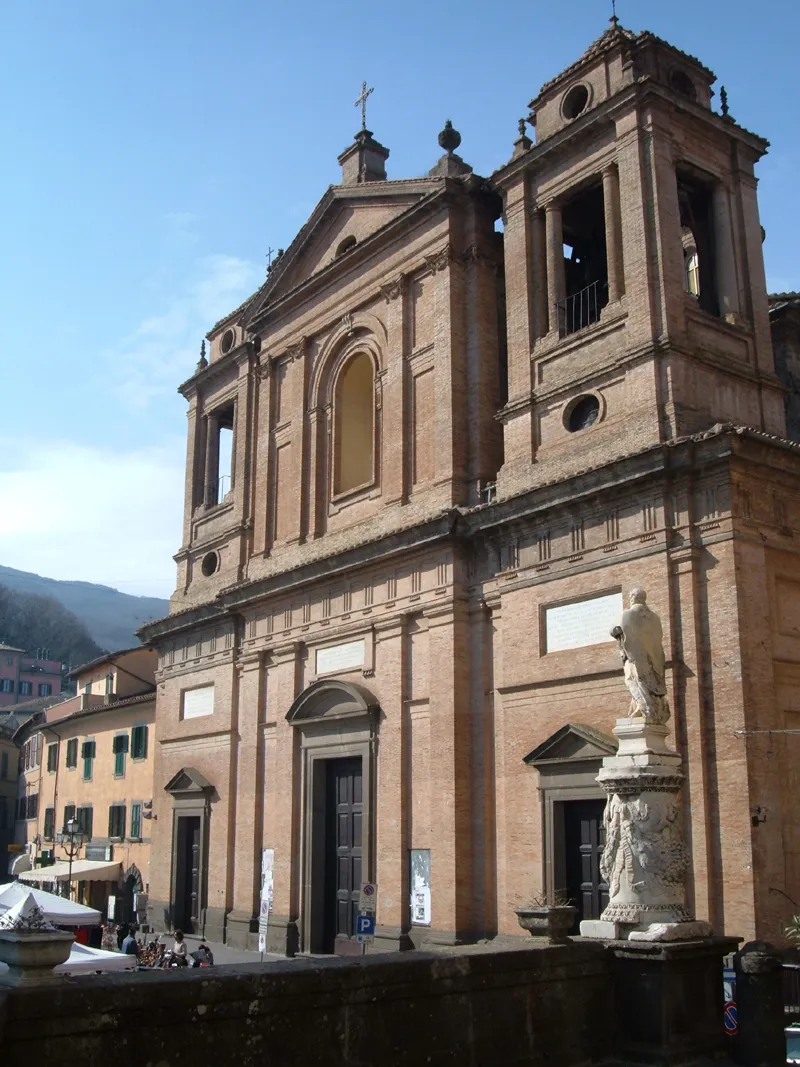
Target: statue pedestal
pixel 645 860
pixel 671 1010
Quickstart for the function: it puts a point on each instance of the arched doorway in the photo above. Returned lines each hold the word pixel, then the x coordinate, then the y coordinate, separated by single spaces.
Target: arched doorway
pixel 337 722
pixel 131 885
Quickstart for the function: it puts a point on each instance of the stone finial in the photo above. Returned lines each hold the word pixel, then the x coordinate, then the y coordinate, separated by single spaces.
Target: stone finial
pixel 523 142
pixel 449 139
pixel 723 99
pixel 450 165
pixel 202 363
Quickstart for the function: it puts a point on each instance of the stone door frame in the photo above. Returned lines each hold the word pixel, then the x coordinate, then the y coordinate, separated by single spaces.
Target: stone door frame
pixel 191 796
pixel 568 763
pixel 336 720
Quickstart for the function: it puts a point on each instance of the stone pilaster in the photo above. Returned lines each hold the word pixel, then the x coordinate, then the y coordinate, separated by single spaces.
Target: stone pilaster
pixel 391 822
pixel 283 686
pixel 724 257
pixel 616 282
pixel 556 280
pixel 211 469
pixel 249 785
pixel 393 406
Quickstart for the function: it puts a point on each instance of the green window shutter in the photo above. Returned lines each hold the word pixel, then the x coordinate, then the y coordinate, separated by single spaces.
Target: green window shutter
pixel 119 764
pixel 139 742
pixel 85 821
pixel 136 820
pixel 52 757
pixel 69 813
pixel 49 823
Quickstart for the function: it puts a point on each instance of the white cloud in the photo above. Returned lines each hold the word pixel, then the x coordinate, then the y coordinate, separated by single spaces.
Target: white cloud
pixel 91 514
pixel 164 348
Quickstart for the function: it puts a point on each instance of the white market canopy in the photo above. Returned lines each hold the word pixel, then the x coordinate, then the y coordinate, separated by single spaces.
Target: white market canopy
pixel 56 909
pixel 85 960
pixel 82 871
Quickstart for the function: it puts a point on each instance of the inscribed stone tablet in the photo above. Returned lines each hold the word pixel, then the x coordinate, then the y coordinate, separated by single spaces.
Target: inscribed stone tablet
pixel 198 702
pixel 341 657
pixel 582 623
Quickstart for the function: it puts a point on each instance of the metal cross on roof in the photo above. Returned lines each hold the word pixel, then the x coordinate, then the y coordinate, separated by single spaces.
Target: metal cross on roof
pixel 362 100
pixel 614 20
pixel 270 254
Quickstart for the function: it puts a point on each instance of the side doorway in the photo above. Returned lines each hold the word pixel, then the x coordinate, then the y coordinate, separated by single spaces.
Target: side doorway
pixel 584 841
pixel 192 796
pixel 572 807
pixel 344 803
pixel 186 908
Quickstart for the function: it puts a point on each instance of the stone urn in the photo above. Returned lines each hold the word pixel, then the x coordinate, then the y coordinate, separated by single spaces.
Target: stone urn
pixel 31 957
pixel 551 922
pixel 31 946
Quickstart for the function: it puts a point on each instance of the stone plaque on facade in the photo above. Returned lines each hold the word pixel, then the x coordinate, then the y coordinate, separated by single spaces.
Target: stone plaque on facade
pixel 341 657
pixel 581 623
pixel 198 702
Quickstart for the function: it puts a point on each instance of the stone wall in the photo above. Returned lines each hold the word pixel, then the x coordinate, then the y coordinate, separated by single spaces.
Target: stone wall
pixel 553 1003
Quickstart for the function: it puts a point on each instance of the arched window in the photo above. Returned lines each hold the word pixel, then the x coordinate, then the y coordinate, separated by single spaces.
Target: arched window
pixel 354 435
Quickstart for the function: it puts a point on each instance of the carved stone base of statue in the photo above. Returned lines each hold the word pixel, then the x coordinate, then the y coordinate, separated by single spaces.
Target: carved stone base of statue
pixel 644 861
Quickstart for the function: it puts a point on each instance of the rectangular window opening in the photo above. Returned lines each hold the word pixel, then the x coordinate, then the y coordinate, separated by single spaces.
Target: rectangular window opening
pixel 136 821
pixel 87 755
pixel 120 749
pixel 49 823
pixel 697 240
pixel 72 753
pixel 219 454
pixel 85 817
pixel 52 758
pixel 116 821
pixel 585 264
pixel 139 742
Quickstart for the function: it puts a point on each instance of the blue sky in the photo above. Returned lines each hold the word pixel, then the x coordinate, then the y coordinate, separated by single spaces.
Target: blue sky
pixel 153 151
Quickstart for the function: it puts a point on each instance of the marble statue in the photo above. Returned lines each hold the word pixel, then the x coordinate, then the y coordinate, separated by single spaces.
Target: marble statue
pixel 645 860
pixel 640 642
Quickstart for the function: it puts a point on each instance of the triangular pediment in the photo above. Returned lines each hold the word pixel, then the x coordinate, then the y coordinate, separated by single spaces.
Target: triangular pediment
pixel 358 211
pixel 574 742
pixel 189 780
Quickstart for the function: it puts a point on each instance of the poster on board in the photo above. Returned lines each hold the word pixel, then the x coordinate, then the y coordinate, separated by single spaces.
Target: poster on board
pixel 265 904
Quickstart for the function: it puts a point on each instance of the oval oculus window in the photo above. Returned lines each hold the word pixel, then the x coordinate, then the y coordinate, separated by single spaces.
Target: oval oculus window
pixel 575 101
pixel 582 413
pixel 226 344
pixel 209 564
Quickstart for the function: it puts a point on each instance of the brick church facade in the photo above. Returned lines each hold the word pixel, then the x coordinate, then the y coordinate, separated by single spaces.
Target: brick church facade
pixel 454 447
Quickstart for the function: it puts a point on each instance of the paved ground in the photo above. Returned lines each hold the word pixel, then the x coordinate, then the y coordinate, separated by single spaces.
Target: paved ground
pixel 225 954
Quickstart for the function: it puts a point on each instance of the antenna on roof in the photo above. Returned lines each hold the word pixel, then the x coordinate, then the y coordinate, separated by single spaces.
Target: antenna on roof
pixel 614 20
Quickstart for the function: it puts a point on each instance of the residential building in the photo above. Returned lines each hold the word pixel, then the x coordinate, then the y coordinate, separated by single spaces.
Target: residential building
pixel 9 757
pixel 454 449
pixel 23 676
pixel 90 758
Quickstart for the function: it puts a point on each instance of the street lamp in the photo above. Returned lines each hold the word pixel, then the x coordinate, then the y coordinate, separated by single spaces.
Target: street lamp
pixel 71 840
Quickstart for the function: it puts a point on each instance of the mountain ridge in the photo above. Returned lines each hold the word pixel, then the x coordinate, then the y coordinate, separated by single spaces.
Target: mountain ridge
pixel 111 617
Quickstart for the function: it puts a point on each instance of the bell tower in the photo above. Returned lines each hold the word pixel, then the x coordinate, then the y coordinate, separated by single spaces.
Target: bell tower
pixel 635 291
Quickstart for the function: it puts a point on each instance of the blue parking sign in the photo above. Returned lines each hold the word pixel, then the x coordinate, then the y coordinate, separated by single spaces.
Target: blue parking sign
pixel 365 925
